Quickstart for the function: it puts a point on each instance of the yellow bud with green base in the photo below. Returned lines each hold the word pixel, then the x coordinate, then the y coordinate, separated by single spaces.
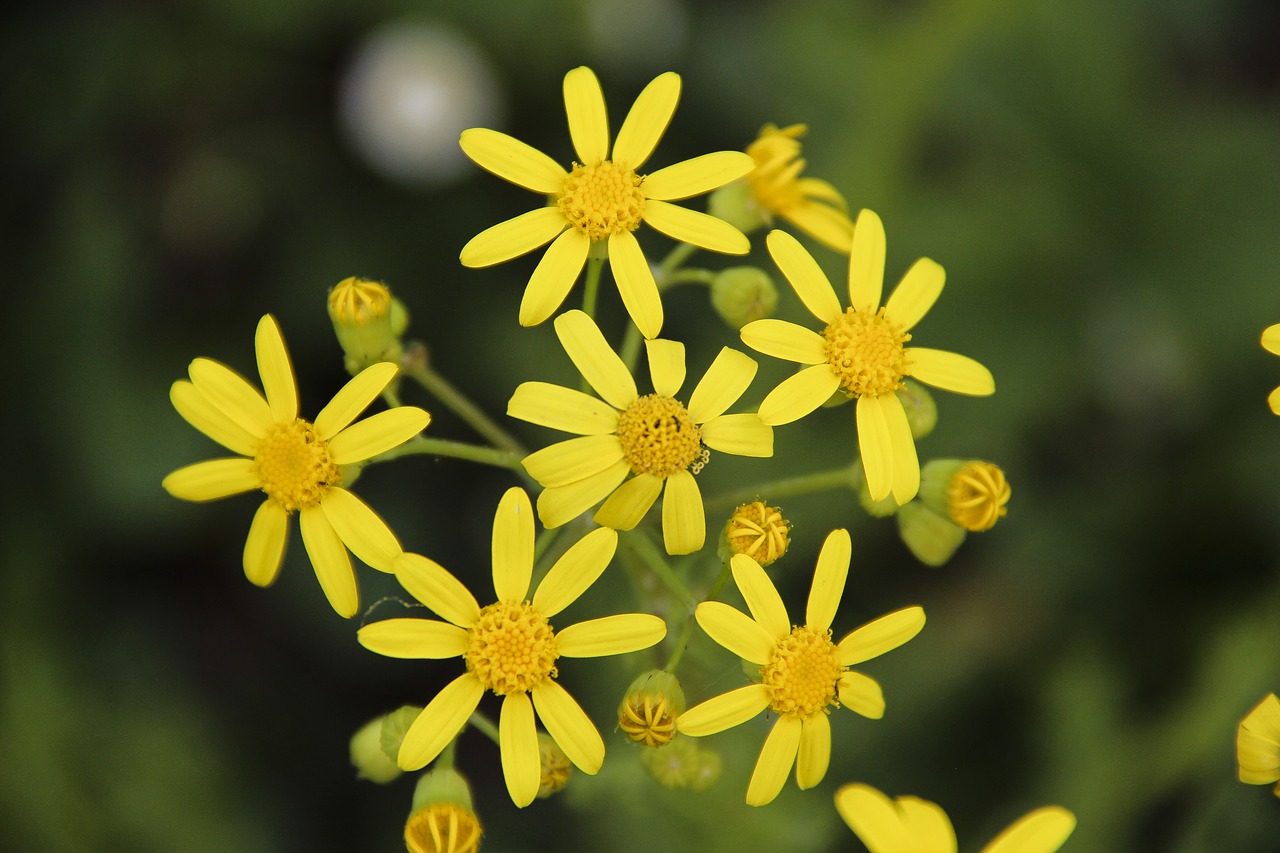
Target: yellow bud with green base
pixel 368 322
pixel 442 819
pixel 647 714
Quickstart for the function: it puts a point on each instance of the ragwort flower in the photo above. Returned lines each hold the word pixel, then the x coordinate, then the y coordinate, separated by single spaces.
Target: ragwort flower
pixel 812 205
pixel 1271 343
pixel 510 647
pixel 803 673
pixel 296 463
pixel 862 352
pixel 602 199
pixel 656 438
pixel 1258 744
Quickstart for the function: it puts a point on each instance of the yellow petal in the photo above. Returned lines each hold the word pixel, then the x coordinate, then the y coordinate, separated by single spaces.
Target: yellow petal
pixel 742 435
pixel 378 434
pixel 724 711
pixel 1041 831
pixel 647 121
pixel 816 189
pixel 330 561
pixel 866 262
pixel 861 694
pixel 1271 339
pixel 827 225
pixel 774 765
pixel 874 818
pixel 815 751
pixel 736 631
pixel 570 461
pixel 353 398
pixel 562 504
pixel 697 175
pixel 430 583
pixel 880 635
pixel 513 238
pixel 562 408
pixel 576 570
pixel 828 580
pixel 628 504
pixel 798 395
pixel 875 444
pixel 518 741
pixel 264 547
pixel 213 479
pixel 197 410
pixel 231 394
pixel 568 726
pixel 275 370
pixel 915 294
pixel 760 595
pixel 950 371
pixel 806 277
pixel 513 546
pixel 666 365
pixel 512 160
pixel 698 229
pixel 360 529
pixel 598 364
pixel 414 639
pixel 1273 400
pixel 684 521
pixel 588 121
pixel 635 282
pixel 1258 743
pixel 610 635
pixel 928 824
pixel 786 340
pixel 553 277
pixel 725 381
pixel 440 722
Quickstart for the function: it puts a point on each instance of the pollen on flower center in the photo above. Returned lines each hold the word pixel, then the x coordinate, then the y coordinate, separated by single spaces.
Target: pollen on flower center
pixel 294 465
pixel 801 674
pixel 602 199
pixel 865 350
pixel 512 648
pixel 658 436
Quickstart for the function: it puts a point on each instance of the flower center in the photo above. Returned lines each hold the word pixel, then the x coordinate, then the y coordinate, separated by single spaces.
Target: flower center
pixel 865 350
pixel 802 673
pixel 512 648
pixel 602 199
pixel 294 465
pixel 977 496
pixel 658 437
pixel 442 828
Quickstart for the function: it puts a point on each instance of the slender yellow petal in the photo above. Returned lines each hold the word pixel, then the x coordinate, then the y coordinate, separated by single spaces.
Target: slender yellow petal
pixel 430 583
pixel 562 408
pixel 950 371
pixel 1271 339
pixel 512 160
pixel 815 751
pixel 684 521
pixel 213 479
pixel 414 639
pixel 906 465
pixel 569 726
pixel 610 635
pixel 513 238
pixel 1258 743
pixel 647 121
pixel 275 370
pixel 635 282
pixel 774 765
pixel 828 580
pixel 576 570
pixel 786 340
pixel 697 175
pixel 861 694
pixel 570 461
pixel 595 360
pixel 736 631
pixel 760 595
pixel 330 561
pixel 554 276
pixel 724 711
pixel 874 819
pixel 353 398
pixel 588 121
pixel 816 189
pixel 1042 831
pixel 866 262
pixel 742 435
pixel 199 411
pixel 928 824
pixel 799 394
pixel 440 722
pixel 915 294
pixel 232 394
pixel 875 443
pixel 880 635
pixel 264 547
pixel 1273 400
pixel 828 226
pixel 628 504
pixel 518 742
pixel 561 504
pixel 691 226
pixel 378 434
pixel 806 277
pixel 666 365
pixel 725 381
pixel 360 529
pixel 513 546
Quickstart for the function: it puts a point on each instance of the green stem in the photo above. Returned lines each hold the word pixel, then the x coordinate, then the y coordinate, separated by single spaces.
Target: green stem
pixel 482 724
pixel 445 759
pixel 591 290
pixel 686 633
pixel 417 368
pixel 640 545
pixel 845 477
pixel 423 446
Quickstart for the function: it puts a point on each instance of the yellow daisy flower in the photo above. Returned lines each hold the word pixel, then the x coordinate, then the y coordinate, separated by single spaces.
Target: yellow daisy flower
pixel 296 463
pixel 656 438
pixel 510 647
pixel 1258 744
pixel 602 199
pixel 861 352
pixel 912 825
pixel 812 205
pixel 1271 343
pixel 803 673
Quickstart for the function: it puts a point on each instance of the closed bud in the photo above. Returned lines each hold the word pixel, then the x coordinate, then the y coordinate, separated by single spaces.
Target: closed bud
pixel 368 757
pixel 368 322
pixel 883 508
pixel 933 538
pixel 684 764
pixel 647 714
pixel 443 819
pixel 742 295
pixel 922 411
pixel 554 768
pixel 736 204
pixel 759 531
pixel 972 493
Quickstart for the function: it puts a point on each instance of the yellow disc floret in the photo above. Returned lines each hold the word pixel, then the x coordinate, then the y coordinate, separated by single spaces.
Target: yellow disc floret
pixel 801 674
pixel 294 465
pixel 759 531
pixel 512 648
pixel 865 350
pixel 658 436
pixel 602 199
pixel 977 496
pixel 442 828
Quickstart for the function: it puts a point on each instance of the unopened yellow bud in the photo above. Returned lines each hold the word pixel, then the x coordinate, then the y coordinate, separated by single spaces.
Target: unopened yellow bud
pixel 554 767
pixel 972 493
pixel 742 295
pixel 759 531
pixel 443 819
pixel 368 322
pixel 647 714
pixel 683 764
pixel 931 537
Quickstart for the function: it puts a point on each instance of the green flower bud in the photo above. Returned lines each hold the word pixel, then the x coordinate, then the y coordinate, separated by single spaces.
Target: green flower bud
pixel 931 537
pixel 683 764
pixel 883 508
pixel 367 321
pixel 970 492
pixel 922 411
pixel 370 761
pixel 736 204
pixel 443 819
pixel 647 714
pixel 394 727
pixel 555 769
pixel 741 295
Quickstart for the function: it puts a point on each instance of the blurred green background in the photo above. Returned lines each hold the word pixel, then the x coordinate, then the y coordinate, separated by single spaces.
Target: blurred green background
pixel 1101 181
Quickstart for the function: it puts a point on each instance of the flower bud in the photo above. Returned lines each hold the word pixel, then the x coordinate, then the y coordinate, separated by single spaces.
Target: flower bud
pixel 741 295
pixel 931 537
pixel 554 770
pixel 883 508
pixel 922 411
pixel 394 727
pixel 443 819
pixel 647 714
pixel 972 493
pixel 370 761
pixel 759 531
pixel 368 322
pixel 685 763
pixel 736 204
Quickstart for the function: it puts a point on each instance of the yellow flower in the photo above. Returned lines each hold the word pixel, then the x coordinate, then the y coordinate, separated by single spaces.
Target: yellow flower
pixel 912 825
pixel 656 438
pixel 297 463
pixel 1258 744
pixel 803 673
pixel 812 205
pixel 602 199
pixel 1271 343
pixel 861 352
pixel 510 647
